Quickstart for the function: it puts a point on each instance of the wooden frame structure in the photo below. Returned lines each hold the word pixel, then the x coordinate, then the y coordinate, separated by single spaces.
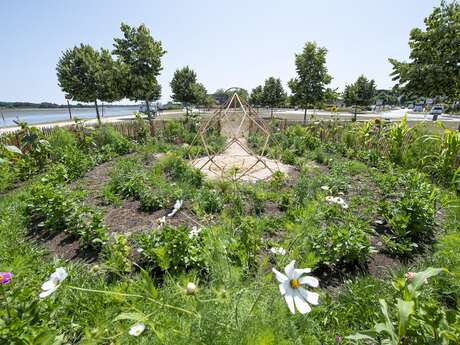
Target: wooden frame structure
pixel 221 119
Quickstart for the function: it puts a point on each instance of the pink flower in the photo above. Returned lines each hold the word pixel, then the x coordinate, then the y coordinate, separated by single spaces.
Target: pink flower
pixel 5 277
pixel 410 276
pixel 338 339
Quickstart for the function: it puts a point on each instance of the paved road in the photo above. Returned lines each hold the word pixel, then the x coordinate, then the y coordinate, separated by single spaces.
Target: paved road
pixel 392 115
pixel 452 122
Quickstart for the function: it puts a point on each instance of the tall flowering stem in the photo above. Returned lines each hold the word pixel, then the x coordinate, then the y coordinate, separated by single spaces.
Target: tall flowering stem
pixel 164 305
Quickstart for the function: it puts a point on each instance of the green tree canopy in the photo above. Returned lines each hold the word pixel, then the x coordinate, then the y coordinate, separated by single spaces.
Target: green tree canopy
pixel 312 77
pixel 273 93
pixel 87 75
pixel 186 89
pixel 360 93
pixel 257 96
pixel 141 55
pixel 434 66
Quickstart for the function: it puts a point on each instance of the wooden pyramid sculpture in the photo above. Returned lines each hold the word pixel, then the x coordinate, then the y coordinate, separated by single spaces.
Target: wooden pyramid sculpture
pixel 233 121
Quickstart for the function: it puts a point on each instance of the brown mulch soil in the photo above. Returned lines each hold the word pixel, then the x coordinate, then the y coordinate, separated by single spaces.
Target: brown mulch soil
pixel 126 218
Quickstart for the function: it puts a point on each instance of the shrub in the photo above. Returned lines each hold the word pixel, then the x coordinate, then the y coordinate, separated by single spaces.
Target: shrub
pixel 56 209
pixel 412 215
pixel 116 254
pixel 209 201
pixel 341 245
pixel 127 178
pixel 177 169
pixel 109 140
pixel 170 249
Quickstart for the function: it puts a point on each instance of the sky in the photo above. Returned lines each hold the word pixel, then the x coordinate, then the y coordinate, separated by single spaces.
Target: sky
pixel 229 43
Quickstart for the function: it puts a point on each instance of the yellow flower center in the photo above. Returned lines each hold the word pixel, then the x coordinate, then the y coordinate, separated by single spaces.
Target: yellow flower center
pixel 294 283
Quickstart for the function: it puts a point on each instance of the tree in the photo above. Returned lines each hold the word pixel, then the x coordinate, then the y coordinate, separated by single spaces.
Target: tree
pixel 360 93
pixel 433 69
pixel 257 95
pixel 273 94
pixel 186 89
pixel 87 75
pixel 312 77
pixel 141 56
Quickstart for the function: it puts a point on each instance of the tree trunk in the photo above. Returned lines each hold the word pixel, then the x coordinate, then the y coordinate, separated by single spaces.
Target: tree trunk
pixel 70 112
pixel 271 113
pixel 356 113
pixel 97 112
pixel 305 117
pixel 149 116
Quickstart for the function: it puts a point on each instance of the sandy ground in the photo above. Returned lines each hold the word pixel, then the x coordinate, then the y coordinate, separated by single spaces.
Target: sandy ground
pixel 248 167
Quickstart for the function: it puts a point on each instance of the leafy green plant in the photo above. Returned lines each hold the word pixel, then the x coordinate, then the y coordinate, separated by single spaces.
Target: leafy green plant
pixel 412 215
pixel 414 319
pixel 341 245
pixel 116 254
pixel 172 250
pixel 55 208
pixel 208 201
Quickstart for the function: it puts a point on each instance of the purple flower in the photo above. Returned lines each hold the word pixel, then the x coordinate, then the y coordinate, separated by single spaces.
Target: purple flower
pixel 5 277
pixel 338 339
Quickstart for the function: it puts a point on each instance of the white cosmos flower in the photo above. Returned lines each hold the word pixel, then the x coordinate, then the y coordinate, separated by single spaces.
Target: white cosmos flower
pixel 278 250
pixel 161 221
pixel 293 292
pixel 337 200
pixel 194 232
pixel 177 207
pixel 137 329
pixel 191 288
pixel 53 282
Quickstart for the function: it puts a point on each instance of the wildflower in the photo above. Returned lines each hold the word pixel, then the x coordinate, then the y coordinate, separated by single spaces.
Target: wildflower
pixel 291 288
pixel 53 282
pixel 191 288
pixel 161 221
pixel 337 200
pixel 137 329
pixel 378 121
pixel 5 277
pixel 338 339
pixel 139 250
pixel 177 207
pixel 410 276
pixel 194 232
pixel 278 250
pixel 325 188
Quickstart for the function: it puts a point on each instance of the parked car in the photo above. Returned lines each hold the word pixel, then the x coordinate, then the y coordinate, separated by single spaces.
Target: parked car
pixel 418 107
pixel 143 109
pixel 436 110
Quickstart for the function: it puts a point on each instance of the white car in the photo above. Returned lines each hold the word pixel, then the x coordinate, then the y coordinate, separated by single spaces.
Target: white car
pixel 437 110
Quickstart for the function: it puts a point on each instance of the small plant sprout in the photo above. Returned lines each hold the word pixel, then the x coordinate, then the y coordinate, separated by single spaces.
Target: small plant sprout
pixel 137 329
pixel 53 282
pixel 5 277
pixel 278 250
pixel 291 288
pixel 191 288
pixel 176 208
pixel 194 232
pixel 337 200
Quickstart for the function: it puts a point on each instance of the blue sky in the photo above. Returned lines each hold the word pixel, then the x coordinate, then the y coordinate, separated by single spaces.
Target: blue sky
pixel 228 43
